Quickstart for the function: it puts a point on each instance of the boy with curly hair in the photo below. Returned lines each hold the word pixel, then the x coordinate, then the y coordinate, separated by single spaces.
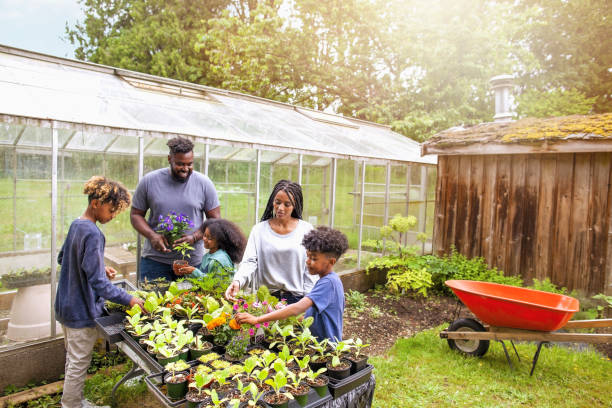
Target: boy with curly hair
pixel 84 282
pixel 325 302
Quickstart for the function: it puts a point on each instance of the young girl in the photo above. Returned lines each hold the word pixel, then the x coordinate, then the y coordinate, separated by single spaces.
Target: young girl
pixel 83 284
pixel 225 243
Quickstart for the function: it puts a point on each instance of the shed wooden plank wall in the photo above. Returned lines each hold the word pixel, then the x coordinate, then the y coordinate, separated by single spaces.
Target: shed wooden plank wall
pixel 535 215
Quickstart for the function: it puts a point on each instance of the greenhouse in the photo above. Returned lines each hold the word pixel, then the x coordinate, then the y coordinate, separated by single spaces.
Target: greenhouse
pixel 62 121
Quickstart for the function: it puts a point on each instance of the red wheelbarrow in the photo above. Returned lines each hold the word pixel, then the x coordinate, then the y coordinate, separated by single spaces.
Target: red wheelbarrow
pixel 516 314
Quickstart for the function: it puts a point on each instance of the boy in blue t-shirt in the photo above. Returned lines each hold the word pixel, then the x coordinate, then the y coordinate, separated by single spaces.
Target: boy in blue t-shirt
pixel 325 302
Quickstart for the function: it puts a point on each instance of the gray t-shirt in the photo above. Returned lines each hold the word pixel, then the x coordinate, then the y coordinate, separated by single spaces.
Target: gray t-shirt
pixel 275 260
pixel 159 193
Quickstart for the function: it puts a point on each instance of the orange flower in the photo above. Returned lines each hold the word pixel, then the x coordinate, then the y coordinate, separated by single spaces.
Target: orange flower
pixel 216 322
pixel 234 324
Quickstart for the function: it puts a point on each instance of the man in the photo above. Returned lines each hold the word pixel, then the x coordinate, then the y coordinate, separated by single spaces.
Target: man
pixel 177 189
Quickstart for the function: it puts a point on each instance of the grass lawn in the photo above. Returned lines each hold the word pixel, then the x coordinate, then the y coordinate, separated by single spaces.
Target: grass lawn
pixel 423 371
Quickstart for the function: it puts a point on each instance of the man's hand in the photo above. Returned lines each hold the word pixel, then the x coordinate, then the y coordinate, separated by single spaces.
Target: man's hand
pixel 191 239
pixel 110 272
pixel 159 242
pixel 232 290
pixel 247 318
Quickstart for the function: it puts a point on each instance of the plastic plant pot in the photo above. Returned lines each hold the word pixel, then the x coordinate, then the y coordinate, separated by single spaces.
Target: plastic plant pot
pixel 359 363
pixel 320 385
pixel 178 389
pixel 165 360
pixel 302 396
pixel 340 372
pixel 269 397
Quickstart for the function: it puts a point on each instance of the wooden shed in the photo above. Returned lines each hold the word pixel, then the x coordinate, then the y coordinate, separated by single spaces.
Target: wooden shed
pixel 532 197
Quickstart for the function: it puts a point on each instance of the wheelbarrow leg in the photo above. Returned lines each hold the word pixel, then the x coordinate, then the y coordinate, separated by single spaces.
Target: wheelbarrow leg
pixel 536 356
pixel 515 351
pixel 507 355
pixel 135 371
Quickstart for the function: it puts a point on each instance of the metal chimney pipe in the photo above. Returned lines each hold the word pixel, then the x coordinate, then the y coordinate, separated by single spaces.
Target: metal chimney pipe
pixel 502 85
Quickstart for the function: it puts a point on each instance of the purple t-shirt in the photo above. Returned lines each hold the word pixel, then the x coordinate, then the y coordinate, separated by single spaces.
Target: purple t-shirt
pixel 328 308
pixel 159 194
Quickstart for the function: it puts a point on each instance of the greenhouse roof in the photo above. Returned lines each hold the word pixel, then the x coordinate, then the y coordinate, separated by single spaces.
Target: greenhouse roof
pixel 88 99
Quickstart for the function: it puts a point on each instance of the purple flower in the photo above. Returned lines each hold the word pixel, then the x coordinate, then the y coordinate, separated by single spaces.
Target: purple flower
pixel 161 217
pixel 170 227
pixel 251 332
pixel 173 212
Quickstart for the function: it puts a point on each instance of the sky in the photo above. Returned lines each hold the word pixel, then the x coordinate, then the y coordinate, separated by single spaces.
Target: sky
pixel 38 25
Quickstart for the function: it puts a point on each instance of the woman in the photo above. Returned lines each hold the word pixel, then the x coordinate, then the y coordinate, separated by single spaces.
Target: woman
pixel 225 243
pixel 274 255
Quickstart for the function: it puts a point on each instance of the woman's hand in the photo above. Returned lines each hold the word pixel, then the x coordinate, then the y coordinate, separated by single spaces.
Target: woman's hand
pixel 247 318
pixel 232 290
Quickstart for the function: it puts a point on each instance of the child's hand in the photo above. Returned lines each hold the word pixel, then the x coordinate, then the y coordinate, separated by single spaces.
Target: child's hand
pixel 186 270
pixel 110 272
pixel 137 301
pixel 246 318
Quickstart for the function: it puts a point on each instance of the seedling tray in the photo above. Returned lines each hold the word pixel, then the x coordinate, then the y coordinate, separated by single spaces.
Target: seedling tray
pixel 111 326
pixel 124 284
pixel 338 388
pixel 155 382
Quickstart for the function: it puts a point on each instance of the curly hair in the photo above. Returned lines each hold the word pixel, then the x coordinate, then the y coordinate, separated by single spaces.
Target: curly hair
pixel 180 145
pixel 229 236
pixel 294 191
pixel 326 240
pixel 108 191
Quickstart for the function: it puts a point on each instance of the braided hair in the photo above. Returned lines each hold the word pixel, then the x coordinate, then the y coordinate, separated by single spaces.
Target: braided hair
pixel 180 145
pixel 107 191
pixel 228 235
pixel 294 191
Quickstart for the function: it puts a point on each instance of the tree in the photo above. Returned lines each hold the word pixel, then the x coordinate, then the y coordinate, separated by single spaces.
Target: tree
pixel 557 102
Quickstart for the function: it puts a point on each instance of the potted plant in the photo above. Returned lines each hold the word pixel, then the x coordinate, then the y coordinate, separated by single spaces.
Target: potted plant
pixel 255 396
pixel 199 347
pixel 172 227
pixel 277 398
pixel 302 343
pixel 176 379
pixel 224 383
pixel 285 333
pixel 356 357
pixel 317 381
pixel 236 349
pixel 297 387
pixel 196 393
pixel 214 401
pixel 339 368
pixel 321 353
pixel 183 248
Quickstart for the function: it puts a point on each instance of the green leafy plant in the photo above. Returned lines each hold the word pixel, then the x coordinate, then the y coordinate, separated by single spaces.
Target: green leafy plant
pixel 402 279
pixel 184 248
pixel 355 300
pixel 279 380
pixel 339 348
pixel 237 346
pixel 285 332
pixel 358 345
pixel 173 226
pixel 200 380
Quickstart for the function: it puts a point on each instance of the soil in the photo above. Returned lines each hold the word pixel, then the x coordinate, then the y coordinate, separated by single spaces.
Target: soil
pixel 403 316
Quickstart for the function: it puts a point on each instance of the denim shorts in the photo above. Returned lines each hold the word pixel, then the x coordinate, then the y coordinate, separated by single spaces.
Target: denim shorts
pixel 151 269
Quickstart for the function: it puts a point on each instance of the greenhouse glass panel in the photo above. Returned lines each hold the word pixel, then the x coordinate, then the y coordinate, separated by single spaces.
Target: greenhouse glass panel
pixel 374 202
pixel 123 144
pixel 25 238
pixel 275 166
pixel 35 136
pixel 346 211
pixel 235 185
pixel 88 141
pixel 8 133
pixel 316 189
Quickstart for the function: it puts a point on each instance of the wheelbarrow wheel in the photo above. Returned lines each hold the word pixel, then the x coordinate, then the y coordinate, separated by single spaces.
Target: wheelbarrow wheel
pixel 471 347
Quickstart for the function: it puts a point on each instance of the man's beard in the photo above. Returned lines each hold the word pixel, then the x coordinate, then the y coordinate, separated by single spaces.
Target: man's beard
pixel 176 177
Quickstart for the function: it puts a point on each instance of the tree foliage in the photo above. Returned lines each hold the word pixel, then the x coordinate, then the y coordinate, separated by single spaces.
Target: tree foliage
pixel 418 67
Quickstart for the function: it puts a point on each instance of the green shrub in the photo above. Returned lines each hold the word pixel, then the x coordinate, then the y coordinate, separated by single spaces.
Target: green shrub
pixel 355 300
pixel 403 279
pixel 546 285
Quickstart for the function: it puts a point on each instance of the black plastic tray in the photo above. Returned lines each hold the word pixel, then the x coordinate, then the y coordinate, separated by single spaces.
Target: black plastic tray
pixel 111 326
pixel 154 383
pixel 142 353
pixel 338 388
pixel 313 400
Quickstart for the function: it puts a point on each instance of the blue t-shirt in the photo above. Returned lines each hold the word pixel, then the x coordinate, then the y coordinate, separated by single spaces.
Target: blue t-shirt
pixel 328 308
pixel 159 194
pixel 83 285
